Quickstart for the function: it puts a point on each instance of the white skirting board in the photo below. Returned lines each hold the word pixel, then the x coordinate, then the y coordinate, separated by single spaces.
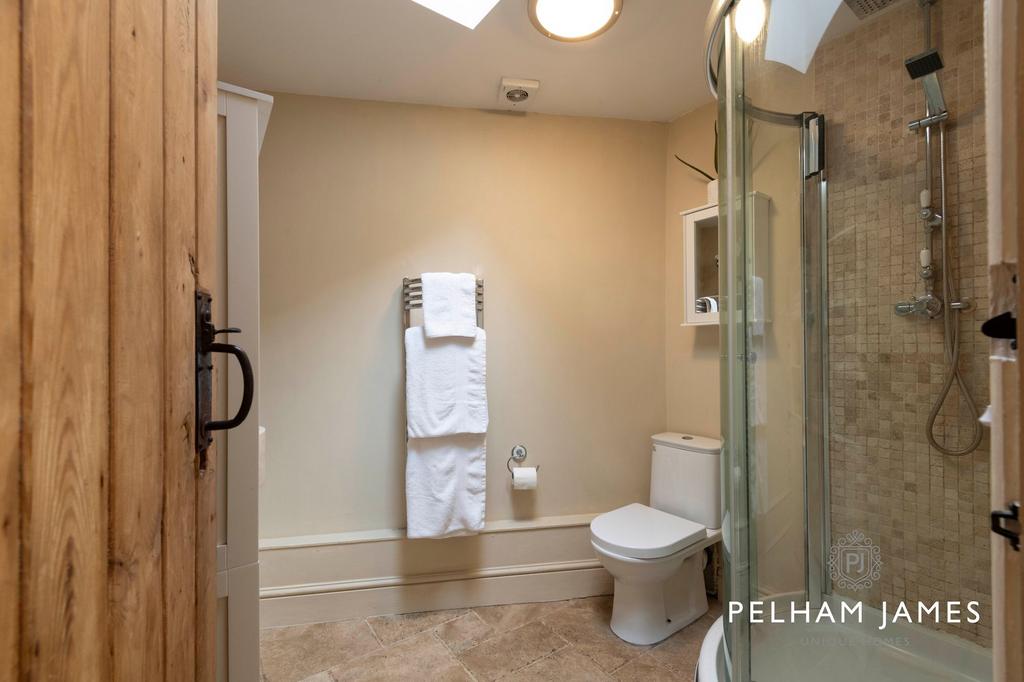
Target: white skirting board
pixel 432 596
pixel 354 575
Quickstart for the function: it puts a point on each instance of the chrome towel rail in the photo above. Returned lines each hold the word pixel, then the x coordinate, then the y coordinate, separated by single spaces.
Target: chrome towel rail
pixel 412 298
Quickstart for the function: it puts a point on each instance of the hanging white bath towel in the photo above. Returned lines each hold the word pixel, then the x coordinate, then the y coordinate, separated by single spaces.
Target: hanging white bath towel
pixel 445 485
pixel 446 411
pixel 445 384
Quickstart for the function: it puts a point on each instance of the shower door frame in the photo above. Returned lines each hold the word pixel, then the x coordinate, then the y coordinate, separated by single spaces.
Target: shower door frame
pixel 814 279
pixel 738 548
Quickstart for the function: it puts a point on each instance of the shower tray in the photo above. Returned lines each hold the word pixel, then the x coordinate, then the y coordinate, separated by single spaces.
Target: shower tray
pixel 851 652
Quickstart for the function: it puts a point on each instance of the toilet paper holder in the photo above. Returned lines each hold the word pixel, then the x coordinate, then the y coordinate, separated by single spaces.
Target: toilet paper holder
pixel 519 455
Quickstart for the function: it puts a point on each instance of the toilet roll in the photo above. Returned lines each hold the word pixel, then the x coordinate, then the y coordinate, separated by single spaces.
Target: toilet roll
pixel 524 478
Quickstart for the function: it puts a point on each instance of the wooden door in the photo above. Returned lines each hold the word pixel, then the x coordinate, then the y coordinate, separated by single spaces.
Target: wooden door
pixel 107 206
pixel 1013 467
pixel 1012 565
pixel 1004 56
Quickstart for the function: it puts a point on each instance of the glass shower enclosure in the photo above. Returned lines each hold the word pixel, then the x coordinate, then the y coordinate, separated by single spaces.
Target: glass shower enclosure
pixel 782 393
pixel 774 348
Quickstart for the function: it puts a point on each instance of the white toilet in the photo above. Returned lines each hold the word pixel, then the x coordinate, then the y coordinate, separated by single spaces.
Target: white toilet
pixel 656 553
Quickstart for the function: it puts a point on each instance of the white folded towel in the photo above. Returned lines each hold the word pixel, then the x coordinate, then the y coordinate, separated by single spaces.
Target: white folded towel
pixel 449 304
pixel 707 304
pixel 445 384
pixel 757 313
pixel 445 486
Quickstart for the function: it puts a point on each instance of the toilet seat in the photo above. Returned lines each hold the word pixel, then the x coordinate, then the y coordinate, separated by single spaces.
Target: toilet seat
pixel 641 532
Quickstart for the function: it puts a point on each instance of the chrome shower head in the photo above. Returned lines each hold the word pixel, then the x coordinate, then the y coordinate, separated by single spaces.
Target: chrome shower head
pixel 925 67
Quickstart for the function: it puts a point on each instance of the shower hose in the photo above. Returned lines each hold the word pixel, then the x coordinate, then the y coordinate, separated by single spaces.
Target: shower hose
pixel 951 334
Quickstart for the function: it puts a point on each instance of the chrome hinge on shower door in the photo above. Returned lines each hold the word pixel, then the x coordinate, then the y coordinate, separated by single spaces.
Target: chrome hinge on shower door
pixel 1011 515
pixel 814 143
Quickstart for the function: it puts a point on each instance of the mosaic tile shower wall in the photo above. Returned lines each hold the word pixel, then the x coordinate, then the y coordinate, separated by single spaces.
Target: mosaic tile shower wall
pixel 927 512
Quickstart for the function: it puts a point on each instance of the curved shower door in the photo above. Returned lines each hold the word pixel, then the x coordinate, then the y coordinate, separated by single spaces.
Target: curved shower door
pixel 773 339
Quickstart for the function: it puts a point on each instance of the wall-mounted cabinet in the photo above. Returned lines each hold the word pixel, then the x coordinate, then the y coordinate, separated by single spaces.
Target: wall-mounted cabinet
pixel 701 262
pixel 700 265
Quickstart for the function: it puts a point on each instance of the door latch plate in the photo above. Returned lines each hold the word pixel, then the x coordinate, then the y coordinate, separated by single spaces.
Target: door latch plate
pixel 204 372
pixel 206 346
pixel 1012 514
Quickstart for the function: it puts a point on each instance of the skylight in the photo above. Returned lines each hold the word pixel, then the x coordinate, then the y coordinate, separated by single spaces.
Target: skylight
pixel 469 13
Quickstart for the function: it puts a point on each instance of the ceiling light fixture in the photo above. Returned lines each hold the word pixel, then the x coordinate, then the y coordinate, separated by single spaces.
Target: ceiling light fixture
pixel 574 20
pixel 750 15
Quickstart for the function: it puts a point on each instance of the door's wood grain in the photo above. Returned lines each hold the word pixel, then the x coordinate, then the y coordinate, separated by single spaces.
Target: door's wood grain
pixel 100 198
pixel 65 339
pixel 179 359
pixel 10 333
pixel 1015 637
pixel 206 226
pixel 137 331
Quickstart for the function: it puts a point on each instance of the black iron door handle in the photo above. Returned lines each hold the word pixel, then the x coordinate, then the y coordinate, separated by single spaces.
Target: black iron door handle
pixel 247 384
pixel 1011 514
pixel 1002 326
pixel 206 346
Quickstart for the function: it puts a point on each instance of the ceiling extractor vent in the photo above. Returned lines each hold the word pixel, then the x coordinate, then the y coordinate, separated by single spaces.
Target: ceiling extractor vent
pixel 515 93
pixel 865 8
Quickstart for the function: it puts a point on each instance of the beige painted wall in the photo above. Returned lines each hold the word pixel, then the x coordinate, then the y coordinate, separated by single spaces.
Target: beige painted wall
pixel 691 353
pixel 563 218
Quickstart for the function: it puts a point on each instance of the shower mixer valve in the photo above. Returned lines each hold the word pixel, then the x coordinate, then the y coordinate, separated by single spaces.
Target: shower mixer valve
pixel 929 306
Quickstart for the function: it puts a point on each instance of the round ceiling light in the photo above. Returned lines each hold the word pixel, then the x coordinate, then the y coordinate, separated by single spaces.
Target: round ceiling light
pixel 574 20
pixel 750 16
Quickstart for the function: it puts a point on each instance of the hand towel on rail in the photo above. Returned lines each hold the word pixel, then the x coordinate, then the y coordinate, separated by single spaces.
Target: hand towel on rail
pixel 445 384
pixel 445 485
pixel 449 304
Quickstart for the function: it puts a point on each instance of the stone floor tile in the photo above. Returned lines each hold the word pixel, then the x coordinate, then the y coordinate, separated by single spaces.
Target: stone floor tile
pixel 288 654
pixel 586 626
pixel 565 665
pixel 511 651
pixel 420 657
pixel 391 629
pixel 464 632
pixel 511 616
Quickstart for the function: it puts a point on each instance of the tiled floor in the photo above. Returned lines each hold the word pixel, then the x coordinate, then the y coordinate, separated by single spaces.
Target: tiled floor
pixel 564 641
